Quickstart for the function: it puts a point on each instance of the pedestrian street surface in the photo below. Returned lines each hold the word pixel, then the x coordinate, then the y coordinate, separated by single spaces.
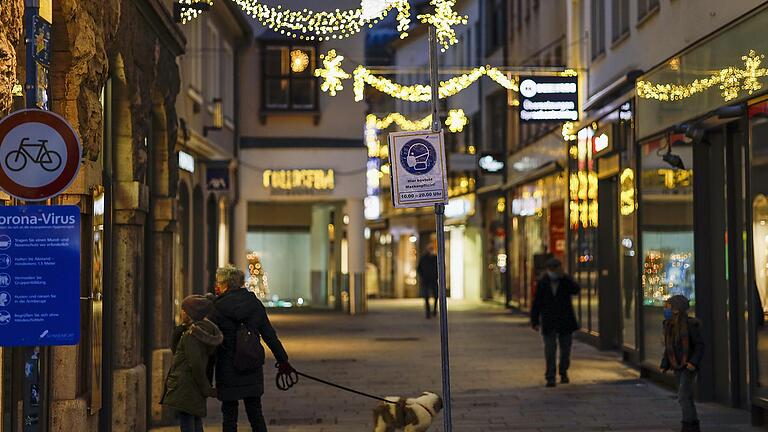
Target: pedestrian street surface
pixel 497 371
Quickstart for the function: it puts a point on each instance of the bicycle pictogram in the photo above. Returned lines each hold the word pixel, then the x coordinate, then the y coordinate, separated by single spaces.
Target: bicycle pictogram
pixel 38 153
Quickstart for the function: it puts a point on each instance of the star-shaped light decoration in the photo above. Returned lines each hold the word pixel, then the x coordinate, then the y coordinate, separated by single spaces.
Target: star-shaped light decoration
pixel 456 120
pixel 444 19
pixel 332 73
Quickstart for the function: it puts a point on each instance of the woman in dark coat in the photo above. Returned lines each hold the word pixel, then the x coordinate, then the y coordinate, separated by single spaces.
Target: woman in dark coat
pixel 234 306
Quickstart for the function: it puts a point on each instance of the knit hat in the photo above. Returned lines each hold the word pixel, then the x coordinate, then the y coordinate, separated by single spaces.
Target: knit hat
pixel 679 302
pixel 197 307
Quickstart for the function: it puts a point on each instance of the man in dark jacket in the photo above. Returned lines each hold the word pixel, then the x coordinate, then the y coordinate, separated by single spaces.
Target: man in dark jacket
pixel 234 306
pixel 552 310
pixel 427 271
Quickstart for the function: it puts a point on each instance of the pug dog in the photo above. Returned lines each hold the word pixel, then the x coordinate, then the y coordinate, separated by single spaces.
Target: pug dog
pixel 407 415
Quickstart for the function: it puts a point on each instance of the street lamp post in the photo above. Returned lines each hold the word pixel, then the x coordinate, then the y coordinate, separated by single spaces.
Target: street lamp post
pixel 440 228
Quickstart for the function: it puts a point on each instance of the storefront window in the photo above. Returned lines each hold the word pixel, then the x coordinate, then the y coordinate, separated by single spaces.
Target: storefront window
pixel 666 232
pixel 759 199
pixel 628 227
pixel 538 226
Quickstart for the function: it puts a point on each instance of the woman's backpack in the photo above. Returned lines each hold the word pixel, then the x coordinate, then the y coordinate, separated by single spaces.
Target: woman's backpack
pixel 248 351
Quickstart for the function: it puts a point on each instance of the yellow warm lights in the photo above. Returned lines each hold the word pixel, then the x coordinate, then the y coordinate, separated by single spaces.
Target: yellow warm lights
pixel 299 61
pixel 306 24
pixel 569 131
pixel 730 81
pixel 191 9
pixel 299 179
pixel 628 203
pixel 421 92
pixel 456 121
pixel 444 18
pixel 332 73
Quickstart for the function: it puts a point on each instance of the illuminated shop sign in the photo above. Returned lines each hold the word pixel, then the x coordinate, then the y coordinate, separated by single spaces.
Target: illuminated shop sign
pixel 552 98
pixel 459 207
pixel 299 181
pixel 527 206
pixel 491 163
pixel 186 162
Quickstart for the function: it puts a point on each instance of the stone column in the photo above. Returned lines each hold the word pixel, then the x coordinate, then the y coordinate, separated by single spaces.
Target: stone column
pixel 356 254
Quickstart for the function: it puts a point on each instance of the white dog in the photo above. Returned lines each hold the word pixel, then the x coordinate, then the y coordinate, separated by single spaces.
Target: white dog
pixel 407 415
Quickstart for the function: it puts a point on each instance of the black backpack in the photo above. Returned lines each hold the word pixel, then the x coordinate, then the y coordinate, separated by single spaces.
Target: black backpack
pixel 248 351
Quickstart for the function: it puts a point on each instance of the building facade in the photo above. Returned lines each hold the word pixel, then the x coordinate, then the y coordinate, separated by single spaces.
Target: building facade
pixel 121 102
pixel 298 222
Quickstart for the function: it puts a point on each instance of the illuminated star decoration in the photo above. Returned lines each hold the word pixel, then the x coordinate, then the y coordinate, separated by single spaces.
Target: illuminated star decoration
pixel 332 73
pixel 444 19
pixel 730 80
pixel 456 120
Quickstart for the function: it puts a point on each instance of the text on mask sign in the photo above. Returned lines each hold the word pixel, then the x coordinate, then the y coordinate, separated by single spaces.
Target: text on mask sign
pixel 44 219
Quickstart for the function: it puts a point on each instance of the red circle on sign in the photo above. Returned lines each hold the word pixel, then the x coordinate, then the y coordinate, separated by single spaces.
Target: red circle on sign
pixel 71 164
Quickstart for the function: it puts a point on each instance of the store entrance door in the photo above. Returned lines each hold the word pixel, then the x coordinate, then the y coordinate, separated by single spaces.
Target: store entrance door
pixel 721 294
pixel 609 288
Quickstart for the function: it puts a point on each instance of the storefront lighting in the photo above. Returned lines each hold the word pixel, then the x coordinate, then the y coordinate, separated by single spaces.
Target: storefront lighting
pixel 569 131
pixel 730 80
pixel 299 61
pixel 601 143
pixel 413 239
pixel 501 205
pixel 628 203
pixel 345 219
pixel 299 179
pixel 186 162
pixel 367 233
pixel 217 116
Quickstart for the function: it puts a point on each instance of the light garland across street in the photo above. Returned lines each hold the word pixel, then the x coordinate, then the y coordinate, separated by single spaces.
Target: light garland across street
pixel 455 121
pixel 422 92
pixel 730 80
pixel 321 26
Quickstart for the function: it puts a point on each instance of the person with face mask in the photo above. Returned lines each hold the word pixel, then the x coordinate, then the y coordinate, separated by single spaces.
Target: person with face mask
pixel 552 313
pixel 683 352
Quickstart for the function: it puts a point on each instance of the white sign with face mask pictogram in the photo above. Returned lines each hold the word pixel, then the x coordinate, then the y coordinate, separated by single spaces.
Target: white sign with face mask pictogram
pixel 419 174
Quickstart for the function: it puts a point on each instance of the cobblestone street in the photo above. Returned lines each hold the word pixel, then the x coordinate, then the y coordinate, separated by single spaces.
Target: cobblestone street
pixel 497 371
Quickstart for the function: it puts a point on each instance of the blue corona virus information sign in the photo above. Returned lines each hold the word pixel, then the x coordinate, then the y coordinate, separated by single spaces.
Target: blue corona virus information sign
pixel 418 169
pixel 39 275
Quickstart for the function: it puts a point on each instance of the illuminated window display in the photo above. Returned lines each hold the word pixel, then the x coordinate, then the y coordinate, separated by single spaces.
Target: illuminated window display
pixel 666 230
pixel 759 210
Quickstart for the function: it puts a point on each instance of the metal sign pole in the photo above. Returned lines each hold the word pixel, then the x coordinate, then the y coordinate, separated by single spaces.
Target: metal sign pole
pixel 440 228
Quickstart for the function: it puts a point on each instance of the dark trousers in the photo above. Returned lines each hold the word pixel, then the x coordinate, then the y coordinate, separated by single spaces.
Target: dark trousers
pixel 252 409
pixel 551 341
pixel 190 423
pixel 685 380
pixel 430 294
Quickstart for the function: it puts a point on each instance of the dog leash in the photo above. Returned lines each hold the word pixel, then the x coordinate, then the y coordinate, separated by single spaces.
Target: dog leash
pixel 285 381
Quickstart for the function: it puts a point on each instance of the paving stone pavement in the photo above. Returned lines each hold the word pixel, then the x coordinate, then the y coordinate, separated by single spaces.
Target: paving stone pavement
pixel 497 373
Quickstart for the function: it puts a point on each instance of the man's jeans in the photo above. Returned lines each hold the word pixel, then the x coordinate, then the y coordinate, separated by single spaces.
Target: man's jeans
pixel 190 423
pixel 252 409
pixel 685 380
pixel 550 350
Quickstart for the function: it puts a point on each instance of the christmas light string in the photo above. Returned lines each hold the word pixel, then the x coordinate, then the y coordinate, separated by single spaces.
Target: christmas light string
pixel 455 121
pixel 730 80
pixel 321 26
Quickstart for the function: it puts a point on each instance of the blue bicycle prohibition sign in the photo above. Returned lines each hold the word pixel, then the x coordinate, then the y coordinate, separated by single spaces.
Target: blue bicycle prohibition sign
pixel 38 153
pixel 418 156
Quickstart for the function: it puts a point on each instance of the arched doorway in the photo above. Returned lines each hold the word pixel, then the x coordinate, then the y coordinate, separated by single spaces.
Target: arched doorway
pixel 212 226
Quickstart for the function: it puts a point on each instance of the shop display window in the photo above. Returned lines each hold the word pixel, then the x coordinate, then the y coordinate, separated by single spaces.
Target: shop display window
pixel 759 208
pixel 667 261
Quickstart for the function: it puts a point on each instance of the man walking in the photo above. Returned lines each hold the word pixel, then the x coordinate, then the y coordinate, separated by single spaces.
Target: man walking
pixel 552 310
pixel 427 271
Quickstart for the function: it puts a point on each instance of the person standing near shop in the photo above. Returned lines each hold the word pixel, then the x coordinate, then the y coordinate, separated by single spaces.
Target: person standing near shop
pixel 239 368
pixel 187 387
pixel 683 352
pixel 427 271
pixel 552 313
